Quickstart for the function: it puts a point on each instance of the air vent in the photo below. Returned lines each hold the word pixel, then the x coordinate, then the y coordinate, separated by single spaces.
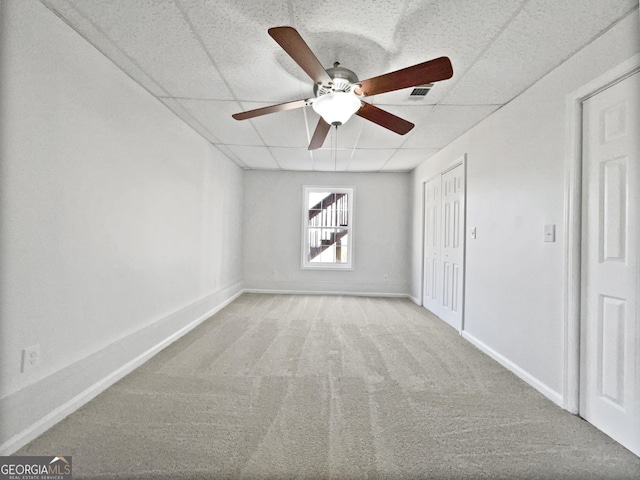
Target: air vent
pixel 420 92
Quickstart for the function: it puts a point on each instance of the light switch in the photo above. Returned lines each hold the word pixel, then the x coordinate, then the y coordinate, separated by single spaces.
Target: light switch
pixel 549 233
pixel 472 232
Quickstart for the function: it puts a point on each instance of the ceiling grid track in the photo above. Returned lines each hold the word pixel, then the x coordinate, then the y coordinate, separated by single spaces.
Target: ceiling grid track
pixel 202 59
pixel 139 67
pixel 198 37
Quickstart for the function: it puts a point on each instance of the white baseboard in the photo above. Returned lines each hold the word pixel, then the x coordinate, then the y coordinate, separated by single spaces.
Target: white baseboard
pixel 55 415
pixel 551 394
pixel 36 427
pixel 322 292
pixel 415 300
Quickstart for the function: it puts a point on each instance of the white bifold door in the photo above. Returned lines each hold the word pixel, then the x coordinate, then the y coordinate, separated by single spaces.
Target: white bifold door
pixel 444 215
pixel 432 245
pixel 610 332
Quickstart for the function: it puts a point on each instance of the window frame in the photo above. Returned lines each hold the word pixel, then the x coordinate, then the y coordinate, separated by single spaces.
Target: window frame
pixel 305 264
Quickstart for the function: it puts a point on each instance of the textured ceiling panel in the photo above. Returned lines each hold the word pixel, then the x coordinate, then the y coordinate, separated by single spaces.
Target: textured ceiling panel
pixel 379 137
pixel 208 59
pixel 331 160
pixel 253 64
pixel 261 80
pixel 293 158
pixel 368 160
pixel 407 159
pixel 347 134
pixel 155 34
pixel 446 123
pixel 375 136
pixel 281 129
pixel 375 19
pixel 459 30
pixel 543 35
pixel 359 35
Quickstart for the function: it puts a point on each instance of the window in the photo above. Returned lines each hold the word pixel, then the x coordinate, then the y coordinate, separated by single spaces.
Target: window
pixel 327 219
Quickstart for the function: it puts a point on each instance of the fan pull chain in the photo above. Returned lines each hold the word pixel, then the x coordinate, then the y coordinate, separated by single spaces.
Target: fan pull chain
pixel 334 140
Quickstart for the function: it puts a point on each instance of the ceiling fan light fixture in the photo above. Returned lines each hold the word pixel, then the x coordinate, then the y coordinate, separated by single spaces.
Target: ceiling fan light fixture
pixel 336 107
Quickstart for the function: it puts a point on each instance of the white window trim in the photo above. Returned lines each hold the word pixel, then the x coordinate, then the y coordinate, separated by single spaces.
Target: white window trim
pixel 351 195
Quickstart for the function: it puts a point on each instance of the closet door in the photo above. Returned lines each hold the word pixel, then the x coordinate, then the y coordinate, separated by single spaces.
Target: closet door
pixel 432 238
pixel 610 330
pixel 452 252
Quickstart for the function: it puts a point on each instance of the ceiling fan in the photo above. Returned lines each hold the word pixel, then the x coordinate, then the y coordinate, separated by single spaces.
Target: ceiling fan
pixel 339 93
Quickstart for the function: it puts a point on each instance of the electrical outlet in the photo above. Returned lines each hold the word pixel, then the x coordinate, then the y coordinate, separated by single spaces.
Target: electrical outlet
pixel 30 358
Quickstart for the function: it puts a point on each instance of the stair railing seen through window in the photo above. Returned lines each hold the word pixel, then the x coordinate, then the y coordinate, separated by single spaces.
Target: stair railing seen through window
pixel 327 228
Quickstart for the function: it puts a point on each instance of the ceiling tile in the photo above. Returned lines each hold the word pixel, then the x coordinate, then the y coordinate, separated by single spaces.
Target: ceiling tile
pixel 252 63
pixel 367 160
pixel 445 123
pixel 358 35
pixel 263 80
pixel 331 160
pixel 376 19
pixel 208 59
pixel 541 37
pixel 255 157
pixel 293 158
pixel 375 136
pixel 215 116
pixel 281 129
pixel 157 37
pixel 346 134
pixel 407 159
pixel 458 30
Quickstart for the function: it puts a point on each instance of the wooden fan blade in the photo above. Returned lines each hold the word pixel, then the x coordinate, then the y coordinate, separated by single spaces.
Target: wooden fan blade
pixel 322 129
pixel 292 43
pixel 426 72
pixel 384 119
pixel 270 109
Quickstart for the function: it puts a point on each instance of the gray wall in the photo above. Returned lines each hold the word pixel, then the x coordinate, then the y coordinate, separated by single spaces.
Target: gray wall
pixel 516 184
pixel 120 225
pixel 273 233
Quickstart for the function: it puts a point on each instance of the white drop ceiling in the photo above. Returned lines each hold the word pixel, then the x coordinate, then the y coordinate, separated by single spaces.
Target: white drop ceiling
pixel 208 59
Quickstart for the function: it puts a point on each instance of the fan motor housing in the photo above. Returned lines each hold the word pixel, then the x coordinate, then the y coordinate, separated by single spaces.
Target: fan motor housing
pixel 343 81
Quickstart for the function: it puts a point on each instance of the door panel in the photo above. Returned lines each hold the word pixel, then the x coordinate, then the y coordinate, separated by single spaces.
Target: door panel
pixel 613 199
pixel 610 343
pixel 452 246
pixel 431 299
pixel 611 365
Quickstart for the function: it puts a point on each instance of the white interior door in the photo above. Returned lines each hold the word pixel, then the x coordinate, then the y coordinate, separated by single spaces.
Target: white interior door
pixel 430 294
pixel 453 189
pixel 610 339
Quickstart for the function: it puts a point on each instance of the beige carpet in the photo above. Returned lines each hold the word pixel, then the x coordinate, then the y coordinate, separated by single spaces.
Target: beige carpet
pixel 328 387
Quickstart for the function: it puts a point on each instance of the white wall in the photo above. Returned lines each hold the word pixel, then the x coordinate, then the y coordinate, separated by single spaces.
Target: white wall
pixel 515 185
pixel 273 235
pixel 120 226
